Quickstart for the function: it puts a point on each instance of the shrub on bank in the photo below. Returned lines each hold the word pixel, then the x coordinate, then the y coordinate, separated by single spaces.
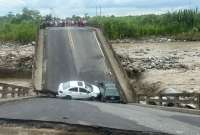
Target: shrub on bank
pixel 23 32
pixel 183 24
pixel 20 27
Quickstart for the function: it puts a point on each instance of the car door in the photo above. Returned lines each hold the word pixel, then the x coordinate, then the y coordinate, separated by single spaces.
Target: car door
pixel 73 92
pixel 84 93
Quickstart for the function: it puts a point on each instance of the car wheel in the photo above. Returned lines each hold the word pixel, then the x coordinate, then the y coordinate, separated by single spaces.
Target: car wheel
pixel 103 100
pixel 68 97
pixel 92 98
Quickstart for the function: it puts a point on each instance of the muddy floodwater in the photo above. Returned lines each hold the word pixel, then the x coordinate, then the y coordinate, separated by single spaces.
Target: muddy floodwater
pixel 173 65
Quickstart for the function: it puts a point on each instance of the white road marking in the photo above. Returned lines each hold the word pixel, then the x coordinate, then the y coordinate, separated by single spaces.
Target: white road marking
pixel 84 123
pixel 70 39
pixel 106 71
pixel 98 44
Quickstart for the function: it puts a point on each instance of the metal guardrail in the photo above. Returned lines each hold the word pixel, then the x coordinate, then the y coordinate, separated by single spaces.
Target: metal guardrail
pixel 12 91
pixel 176 99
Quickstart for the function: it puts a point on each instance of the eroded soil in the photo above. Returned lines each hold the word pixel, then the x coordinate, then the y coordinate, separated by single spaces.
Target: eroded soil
pixel 16 58
pixel 16 62
pixel 164 66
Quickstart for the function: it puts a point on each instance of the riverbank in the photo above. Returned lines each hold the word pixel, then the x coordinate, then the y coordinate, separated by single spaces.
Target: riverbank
pixel 167 66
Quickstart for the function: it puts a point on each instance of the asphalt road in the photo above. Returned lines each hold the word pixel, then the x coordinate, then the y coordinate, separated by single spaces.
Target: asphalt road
pixel 73 53
pixel 118 116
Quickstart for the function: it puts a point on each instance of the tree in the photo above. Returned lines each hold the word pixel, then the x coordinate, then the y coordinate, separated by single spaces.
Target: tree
pixel 28 14
pixel 10 15
pixel 75 18
pixel 86 16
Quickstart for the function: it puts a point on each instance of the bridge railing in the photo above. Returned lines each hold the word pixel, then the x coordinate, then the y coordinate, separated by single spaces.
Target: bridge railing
pixel 173 99
pixel 12 91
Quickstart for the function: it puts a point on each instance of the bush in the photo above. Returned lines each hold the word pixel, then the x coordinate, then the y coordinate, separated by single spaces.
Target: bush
pixel 169 24
pixel 23 32
pixel 20 27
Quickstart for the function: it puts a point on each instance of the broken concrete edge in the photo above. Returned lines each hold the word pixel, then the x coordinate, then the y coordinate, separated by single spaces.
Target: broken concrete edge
pixel 3 101
pixel 45 93
pixel 128 94
pixel 171 109
pixel 40 124
pixel 37 75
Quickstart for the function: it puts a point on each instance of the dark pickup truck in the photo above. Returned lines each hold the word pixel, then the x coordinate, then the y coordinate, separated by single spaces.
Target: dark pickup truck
pixel 110 93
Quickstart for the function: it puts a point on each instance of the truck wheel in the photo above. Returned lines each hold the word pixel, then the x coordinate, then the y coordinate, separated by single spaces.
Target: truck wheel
pixel 92 98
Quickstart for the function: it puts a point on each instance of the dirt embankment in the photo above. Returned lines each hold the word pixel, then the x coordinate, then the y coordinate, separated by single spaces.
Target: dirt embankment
pixel 25 127
pixel 16 59
pixel 161 66
pixel 16 63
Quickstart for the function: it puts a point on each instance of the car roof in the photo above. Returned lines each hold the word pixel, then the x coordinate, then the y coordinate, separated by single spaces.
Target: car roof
pixel 70 84
pixel 77 83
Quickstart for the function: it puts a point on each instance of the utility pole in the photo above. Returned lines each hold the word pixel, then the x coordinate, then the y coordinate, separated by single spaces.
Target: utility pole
pixel 52 12
pixel 96 11
pixel 100 10
pixel 189 4
pixel 96 8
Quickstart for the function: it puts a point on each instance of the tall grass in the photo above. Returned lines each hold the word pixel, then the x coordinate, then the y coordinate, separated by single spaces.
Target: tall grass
pixel 181 24
pixel 23 32
pixel 20 27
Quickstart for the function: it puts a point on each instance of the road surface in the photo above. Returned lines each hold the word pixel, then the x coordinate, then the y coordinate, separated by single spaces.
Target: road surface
pixel 73 53
pixel 118 116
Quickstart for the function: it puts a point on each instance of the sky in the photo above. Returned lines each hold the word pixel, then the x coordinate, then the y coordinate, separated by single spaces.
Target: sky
pixel 66 8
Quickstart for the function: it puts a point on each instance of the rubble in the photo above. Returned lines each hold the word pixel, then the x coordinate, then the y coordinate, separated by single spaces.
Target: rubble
pixel 140 65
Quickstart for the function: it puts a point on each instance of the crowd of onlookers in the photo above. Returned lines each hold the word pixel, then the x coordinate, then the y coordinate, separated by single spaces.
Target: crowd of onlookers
pixel 57 22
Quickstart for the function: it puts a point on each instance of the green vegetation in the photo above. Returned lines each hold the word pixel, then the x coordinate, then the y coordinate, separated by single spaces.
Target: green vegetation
pixel 183 24
pixel 20 27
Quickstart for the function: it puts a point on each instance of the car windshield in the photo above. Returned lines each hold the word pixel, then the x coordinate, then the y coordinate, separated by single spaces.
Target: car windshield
pixel 66 85
pixel 88 87
pixel 111 92
pixel 80 83
pixel 110 85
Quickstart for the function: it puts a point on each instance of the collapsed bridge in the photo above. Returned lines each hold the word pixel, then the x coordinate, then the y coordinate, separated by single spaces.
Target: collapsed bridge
pixel 76 53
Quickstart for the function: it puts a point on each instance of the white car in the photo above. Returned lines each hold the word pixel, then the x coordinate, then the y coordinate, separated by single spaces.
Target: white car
pixel 77 90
